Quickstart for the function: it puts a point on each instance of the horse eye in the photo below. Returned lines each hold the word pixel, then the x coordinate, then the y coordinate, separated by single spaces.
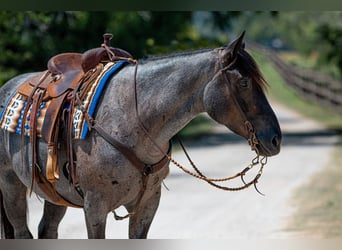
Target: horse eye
pixel 244 83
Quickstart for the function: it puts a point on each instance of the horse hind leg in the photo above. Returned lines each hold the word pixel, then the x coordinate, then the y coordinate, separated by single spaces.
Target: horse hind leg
pixel 52 216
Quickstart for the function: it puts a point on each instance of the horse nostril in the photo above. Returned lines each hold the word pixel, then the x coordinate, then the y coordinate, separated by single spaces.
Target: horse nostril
pixel 276 141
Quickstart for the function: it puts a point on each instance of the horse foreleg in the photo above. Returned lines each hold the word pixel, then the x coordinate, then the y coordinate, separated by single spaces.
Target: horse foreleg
pixel 52 216
pixel 95 215
pixel 142 215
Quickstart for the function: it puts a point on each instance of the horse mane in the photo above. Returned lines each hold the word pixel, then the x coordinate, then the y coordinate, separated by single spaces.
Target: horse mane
pixel 150 58
pixel 247 64
pixel 244 62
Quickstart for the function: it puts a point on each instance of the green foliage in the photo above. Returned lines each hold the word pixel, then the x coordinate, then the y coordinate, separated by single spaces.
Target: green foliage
pixel 144 33
pixel 308 32
pixel 29 39
pixel 331 37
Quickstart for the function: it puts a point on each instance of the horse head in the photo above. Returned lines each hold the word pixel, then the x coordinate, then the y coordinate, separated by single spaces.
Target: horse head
pixel 236 98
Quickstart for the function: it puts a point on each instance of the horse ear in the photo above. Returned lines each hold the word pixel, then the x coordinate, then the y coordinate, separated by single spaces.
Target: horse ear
pixel 234 47
pixel 237 43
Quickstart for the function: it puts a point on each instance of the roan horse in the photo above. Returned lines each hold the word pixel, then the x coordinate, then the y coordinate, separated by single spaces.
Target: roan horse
pixel 170 91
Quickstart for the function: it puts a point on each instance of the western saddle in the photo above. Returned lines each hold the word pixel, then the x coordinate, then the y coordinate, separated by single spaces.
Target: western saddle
pixel 68 75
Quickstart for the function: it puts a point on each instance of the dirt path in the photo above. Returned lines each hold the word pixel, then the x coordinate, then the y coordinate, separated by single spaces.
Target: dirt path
pixel 193 209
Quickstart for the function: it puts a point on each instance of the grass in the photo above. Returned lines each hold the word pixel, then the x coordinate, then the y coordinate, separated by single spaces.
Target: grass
pixel 278 90
pixel 311 62
pixel 304 62
pixel 318 203
pixel 197 128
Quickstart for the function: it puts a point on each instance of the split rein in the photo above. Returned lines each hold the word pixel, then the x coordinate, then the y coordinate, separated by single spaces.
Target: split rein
pixel 262 160
pixel 252 140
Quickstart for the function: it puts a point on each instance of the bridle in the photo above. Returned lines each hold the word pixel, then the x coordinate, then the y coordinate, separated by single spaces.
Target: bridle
pixel 252 140
pixel 147 169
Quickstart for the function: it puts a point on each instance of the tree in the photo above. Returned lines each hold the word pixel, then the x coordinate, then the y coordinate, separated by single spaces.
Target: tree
pixel 29 39
pixel 307 32
pixel 330 40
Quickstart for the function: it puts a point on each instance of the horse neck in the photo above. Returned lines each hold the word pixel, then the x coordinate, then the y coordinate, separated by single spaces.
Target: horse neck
pixel 170 92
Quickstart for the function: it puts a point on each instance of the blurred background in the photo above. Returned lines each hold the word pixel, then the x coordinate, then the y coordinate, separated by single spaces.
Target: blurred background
pixel 307 44
pixel 299 52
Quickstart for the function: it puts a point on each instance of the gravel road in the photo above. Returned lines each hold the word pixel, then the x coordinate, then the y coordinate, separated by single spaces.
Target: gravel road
pixel 191 209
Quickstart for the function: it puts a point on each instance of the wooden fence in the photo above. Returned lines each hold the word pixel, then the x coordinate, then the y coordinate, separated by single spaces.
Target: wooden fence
pixel 310 84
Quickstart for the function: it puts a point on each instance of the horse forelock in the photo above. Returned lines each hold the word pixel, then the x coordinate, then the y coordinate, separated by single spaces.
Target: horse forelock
pixel 247 64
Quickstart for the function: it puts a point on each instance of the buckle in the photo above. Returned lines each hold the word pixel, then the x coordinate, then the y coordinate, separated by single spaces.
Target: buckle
pixel 148 169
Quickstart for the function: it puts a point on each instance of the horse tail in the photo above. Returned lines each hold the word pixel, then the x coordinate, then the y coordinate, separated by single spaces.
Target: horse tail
pixel 6 229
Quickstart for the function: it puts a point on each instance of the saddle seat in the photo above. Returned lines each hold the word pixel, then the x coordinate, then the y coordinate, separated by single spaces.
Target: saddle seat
pixel 63 74
pixel 66 67
pixel 65 62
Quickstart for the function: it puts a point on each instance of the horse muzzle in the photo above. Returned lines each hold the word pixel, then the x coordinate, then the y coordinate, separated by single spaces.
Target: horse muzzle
pixel 269 145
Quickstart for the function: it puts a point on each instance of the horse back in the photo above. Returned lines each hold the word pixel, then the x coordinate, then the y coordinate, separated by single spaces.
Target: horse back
pixel 7 89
